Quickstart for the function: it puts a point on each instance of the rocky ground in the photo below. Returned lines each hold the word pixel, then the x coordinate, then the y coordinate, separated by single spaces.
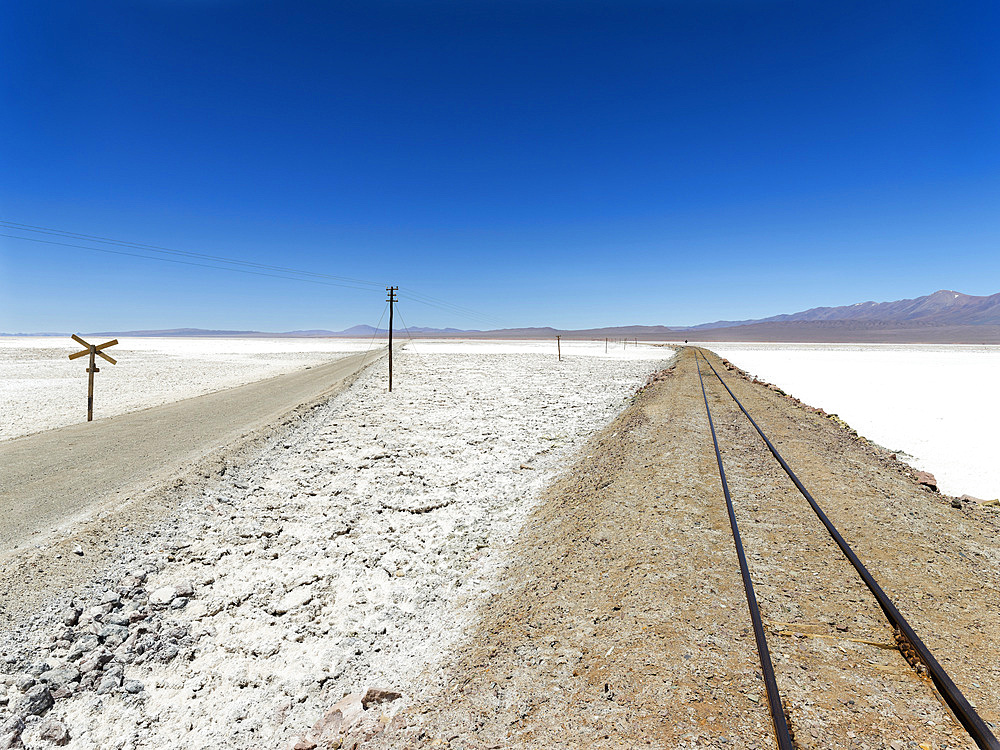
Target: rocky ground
pixel 621 621
pixel 466 564
pixel 347 556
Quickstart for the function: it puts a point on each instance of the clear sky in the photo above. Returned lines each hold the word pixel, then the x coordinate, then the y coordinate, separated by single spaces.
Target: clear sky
pixel 543 162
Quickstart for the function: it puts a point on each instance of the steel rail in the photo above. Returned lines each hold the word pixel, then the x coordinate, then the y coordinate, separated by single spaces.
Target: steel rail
pixel 781 732
pixel 957 702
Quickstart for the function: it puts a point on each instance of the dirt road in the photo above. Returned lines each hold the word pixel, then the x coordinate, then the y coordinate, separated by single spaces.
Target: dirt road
pixel 622 621
pixel 113 469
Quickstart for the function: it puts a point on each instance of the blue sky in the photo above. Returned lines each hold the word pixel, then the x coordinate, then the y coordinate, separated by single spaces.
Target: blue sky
pixel 544 163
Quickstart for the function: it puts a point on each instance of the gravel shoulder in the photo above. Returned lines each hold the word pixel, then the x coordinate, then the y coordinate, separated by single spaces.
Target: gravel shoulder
pixel 621 620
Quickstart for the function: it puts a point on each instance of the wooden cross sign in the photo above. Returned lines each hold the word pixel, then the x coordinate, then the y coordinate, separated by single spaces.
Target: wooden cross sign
pixel 92 351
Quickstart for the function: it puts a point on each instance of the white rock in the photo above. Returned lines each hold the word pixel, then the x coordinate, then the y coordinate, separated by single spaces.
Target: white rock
pixel 163 596
pixel 292 600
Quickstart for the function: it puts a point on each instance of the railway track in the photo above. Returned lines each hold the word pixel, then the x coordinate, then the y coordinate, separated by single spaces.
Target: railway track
pixel 758 466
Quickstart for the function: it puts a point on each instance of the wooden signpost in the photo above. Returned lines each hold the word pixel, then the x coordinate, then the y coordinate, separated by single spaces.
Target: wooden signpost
pixel 93 351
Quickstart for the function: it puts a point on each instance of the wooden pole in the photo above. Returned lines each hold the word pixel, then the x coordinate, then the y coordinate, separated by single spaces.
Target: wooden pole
pixel 559 346
pixel 605 344
pixel 90 383
pixel 92 351
pixel 390 347
pixel 391 301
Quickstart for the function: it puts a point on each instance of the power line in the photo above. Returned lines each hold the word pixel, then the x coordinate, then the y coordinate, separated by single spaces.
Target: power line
pixel 263 268
pixel 405 327
pixel 426 299
pixel 183 262
pixel 160 249
pixel 381 317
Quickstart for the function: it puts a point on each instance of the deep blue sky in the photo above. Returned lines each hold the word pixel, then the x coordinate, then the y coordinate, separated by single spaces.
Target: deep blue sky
pixel 563 163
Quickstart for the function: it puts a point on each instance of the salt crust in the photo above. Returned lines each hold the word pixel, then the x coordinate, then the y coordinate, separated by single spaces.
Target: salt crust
pixel 937 403
pixel 41 388
pixel 355 552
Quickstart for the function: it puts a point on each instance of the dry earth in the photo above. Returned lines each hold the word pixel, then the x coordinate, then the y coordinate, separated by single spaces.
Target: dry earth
pixel 396 568
pixel 621 621
pixel 349 549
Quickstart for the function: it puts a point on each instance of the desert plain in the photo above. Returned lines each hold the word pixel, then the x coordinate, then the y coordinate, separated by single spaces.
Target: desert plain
pixel 507 550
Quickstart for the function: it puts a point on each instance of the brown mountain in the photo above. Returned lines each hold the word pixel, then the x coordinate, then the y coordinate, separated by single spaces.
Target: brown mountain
pixel 943 317
pixel 943 308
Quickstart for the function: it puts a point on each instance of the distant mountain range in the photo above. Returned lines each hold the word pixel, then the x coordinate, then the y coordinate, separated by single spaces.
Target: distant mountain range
pixel 942 317
pixel 944 307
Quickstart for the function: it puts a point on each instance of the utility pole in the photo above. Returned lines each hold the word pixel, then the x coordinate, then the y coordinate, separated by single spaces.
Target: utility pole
pixel 559 346
pixel 392 300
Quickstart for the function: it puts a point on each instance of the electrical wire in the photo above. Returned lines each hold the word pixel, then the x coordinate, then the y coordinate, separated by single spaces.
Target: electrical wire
pixel 364 358
pixel 183 262
pixel 408 335
pixel 263 269
pixel 167 250
pixel 426 299
pixel 479 319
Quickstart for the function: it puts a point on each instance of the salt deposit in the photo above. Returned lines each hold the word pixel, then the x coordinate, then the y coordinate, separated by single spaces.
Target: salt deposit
pixel 937 404
pixel 41 388
pixel 569 347
pixel 350 555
